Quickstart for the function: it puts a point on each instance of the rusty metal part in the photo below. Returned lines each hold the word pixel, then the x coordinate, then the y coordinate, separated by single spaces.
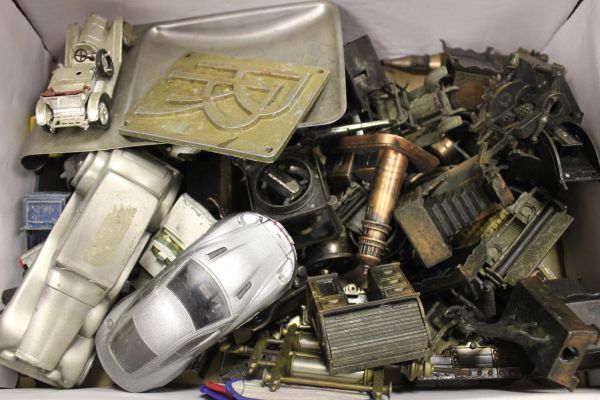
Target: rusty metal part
pixel 430 110
pixel 433 213
pixel 343 169
pixel 422 160
pixel 296 359
pixel 482 229
pixel 461 365
pixel 472 87
pixel 376 393
pixel 512 245
pixel 370 89
pixel 552 336
pixel 363 70
pixel 586 304
pixel 447 151
pixel 403 79
pixel 388 328
pixel 471 73
pixel 292 191
pixel 395 154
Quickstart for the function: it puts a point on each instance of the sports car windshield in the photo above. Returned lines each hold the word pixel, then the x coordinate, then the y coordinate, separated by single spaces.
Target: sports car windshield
pixel 200 295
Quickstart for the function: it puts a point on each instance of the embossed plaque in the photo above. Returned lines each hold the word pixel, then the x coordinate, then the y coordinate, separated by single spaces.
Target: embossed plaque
pixel 235 106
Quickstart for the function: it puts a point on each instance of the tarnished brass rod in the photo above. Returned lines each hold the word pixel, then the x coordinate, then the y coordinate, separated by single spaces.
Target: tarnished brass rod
pixel 394 157
pixel 389 176
pixel 387 389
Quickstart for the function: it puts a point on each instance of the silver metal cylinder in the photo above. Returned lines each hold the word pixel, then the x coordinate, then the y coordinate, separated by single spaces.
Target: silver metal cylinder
pixel 313 368
pixel 308 342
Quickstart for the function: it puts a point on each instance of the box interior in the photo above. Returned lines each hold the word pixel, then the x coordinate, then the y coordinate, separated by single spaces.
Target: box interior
pixel 33 33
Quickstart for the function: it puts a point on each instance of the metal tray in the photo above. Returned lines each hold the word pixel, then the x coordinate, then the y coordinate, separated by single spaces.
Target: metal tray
pixel 305 33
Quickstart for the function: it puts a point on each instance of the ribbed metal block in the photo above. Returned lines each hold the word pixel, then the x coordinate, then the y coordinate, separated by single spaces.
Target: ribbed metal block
pixel 459 209
pixel 387 332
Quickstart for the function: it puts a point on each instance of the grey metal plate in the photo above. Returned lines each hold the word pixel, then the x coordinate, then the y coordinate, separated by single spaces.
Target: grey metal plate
pixel 305 33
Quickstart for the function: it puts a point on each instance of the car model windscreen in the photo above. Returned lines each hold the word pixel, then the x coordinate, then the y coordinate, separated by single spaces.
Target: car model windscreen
pixel 130 349
pixel 200 294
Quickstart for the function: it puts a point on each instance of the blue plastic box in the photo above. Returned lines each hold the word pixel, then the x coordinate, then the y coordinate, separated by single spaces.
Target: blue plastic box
pixel 40 212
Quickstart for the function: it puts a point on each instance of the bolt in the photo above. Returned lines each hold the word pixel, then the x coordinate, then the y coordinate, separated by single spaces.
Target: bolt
pixel 526 211
pixel 493 253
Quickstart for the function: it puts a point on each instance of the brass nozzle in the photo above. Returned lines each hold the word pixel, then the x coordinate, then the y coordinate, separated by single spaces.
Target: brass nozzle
pixel 416 64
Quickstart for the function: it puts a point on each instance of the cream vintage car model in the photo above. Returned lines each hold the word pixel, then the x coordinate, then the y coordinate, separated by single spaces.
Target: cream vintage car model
pixel 47 330
pixel 80 90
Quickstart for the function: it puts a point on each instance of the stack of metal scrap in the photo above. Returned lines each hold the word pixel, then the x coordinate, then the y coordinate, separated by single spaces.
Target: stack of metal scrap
pixel 439 265
pixel 411 243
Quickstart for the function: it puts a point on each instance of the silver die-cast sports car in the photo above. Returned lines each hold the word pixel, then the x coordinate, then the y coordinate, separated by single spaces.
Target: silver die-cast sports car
pixel 239 267
pixel 81 89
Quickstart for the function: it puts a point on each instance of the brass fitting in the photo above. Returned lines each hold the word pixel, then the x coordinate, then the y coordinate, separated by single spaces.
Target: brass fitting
pixel 416 64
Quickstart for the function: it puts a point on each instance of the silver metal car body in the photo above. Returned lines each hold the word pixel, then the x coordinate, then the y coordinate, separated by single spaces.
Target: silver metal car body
pixel 239 267
pixel 77 90
pixel 47 330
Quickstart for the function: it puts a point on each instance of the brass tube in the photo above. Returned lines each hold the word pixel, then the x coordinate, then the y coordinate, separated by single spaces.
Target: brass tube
pixel 387 389
pixel 389 176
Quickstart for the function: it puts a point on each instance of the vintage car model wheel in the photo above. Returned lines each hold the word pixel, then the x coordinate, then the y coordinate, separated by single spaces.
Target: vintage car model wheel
pixel 45 120
pixel 103 114
pixel 104 63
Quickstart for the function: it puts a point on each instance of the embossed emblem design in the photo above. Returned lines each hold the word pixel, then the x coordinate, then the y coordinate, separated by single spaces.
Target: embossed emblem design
pixel 246 108
pixel 230 98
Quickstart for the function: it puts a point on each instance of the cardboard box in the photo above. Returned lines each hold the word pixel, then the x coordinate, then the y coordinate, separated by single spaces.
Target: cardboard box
pixel 32 33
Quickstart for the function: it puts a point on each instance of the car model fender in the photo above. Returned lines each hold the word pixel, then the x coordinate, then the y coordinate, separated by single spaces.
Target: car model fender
pixel 94 100
pixel 114 43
